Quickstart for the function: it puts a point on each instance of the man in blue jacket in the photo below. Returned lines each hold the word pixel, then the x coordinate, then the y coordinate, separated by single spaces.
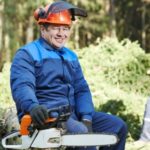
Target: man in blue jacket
pixel 46 75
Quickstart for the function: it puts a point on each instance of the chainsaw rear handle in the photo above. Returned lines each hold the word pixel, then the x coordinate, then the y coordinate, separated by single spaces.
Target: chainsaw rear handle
pixel 26 121
pixel 61 113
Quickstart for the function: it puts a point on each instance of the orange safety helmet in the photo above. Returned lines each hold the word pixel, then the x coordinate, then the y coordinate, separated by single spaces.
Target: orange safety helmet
pixel 59 12
pixel 63 17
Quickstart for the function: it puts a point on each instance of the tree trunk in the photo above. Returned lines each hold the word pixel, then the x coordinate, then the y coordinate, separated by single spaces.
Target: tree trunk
pixel 6 47
pixel 112 18
pixel 20 30
pixel 76 29
pixel 143 26
pixel 29 32
pixel 1 31
pixel 76 36
pixel 1 22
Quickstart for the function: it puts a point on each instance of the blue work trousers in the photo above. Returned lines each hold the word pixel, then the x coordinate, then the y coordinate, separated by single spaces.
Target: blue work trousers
pixel 101 122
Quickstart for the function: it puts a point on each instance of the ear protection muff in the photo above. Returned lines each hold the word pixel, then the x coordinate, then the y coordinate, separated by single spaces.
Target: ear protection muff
pixel 39 13
pixel 72 14
pixel 42 13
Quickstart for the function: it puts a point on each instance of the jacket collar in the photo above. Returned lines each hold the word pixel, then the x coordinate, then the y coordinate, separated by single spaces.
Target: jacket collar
pixel 47 46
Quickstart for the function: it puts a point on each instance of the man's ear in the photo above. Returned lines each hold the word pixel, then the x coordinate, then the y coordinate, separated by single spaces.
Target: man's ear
pixel 42 31
pixel 42 28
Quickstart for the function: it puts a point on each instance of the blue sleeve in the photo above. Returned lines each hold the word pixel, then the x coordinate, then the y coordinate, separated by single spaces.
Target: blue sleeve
pixel 83 98
pixel 23 81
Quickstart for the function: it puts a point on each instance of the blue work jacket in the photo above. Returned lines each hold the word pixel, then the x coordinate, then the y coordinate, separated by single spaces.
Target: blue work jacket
pixel 52 77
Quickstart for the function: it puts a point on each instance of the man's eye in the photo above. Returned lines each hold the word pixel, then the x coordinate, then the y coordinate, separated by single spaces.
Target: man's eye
pixel 61 28
pixel 67 29
pixel 55 28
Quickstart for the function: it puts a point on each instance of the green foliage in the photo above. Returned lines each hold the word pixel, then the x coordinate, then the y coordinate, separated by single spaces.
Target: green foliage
pixel 117 107
pixel 5 98
pixel 122 64
pixel 117 74
pixel 5 93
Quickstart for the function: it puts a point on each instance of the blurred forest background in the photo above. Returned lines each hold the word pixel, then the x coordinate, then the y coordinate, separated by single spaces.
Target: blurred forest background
pixel 113 45
pixel 114 18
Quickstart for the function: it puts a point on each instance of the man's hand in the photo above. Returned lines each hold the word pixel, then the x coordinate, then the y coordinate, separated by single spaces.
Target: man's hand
pixel 39 114
pixel 88 124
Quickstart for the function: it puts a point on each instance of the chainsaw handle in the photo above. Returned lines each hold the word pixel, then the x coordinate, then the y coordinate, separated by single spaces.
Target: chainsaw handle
pixel 26 141
pixel 4 140
pixel 26 121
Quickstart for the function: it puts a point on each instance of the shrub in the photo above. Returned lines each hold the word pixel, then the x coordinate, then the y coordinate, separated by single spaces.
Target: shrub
pixel 117 72
pixel 5 92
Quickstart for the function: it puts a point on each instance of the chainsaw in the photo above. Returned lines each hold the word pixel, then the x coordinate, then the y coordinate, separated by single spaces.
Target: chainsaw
pixel 51 136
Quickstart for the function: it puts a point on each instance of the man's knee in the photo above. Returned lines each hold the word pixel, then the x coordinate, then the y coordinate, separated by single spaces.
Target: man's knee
pixel 74 126
pixel 122 127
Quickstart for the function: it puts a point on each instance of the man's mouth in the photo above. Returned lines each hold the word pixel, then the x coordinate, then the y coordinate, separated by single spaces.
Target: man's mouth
pixel 60 40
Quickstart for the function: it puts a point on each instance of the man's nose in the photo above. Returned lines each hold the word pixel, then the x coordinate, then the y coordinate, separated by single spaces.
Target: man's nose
pixel 61 32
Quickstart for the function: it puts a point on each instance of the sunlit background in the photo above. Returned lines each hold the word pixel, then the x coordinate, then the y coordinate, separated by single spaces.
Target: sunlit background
pixel 113 45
